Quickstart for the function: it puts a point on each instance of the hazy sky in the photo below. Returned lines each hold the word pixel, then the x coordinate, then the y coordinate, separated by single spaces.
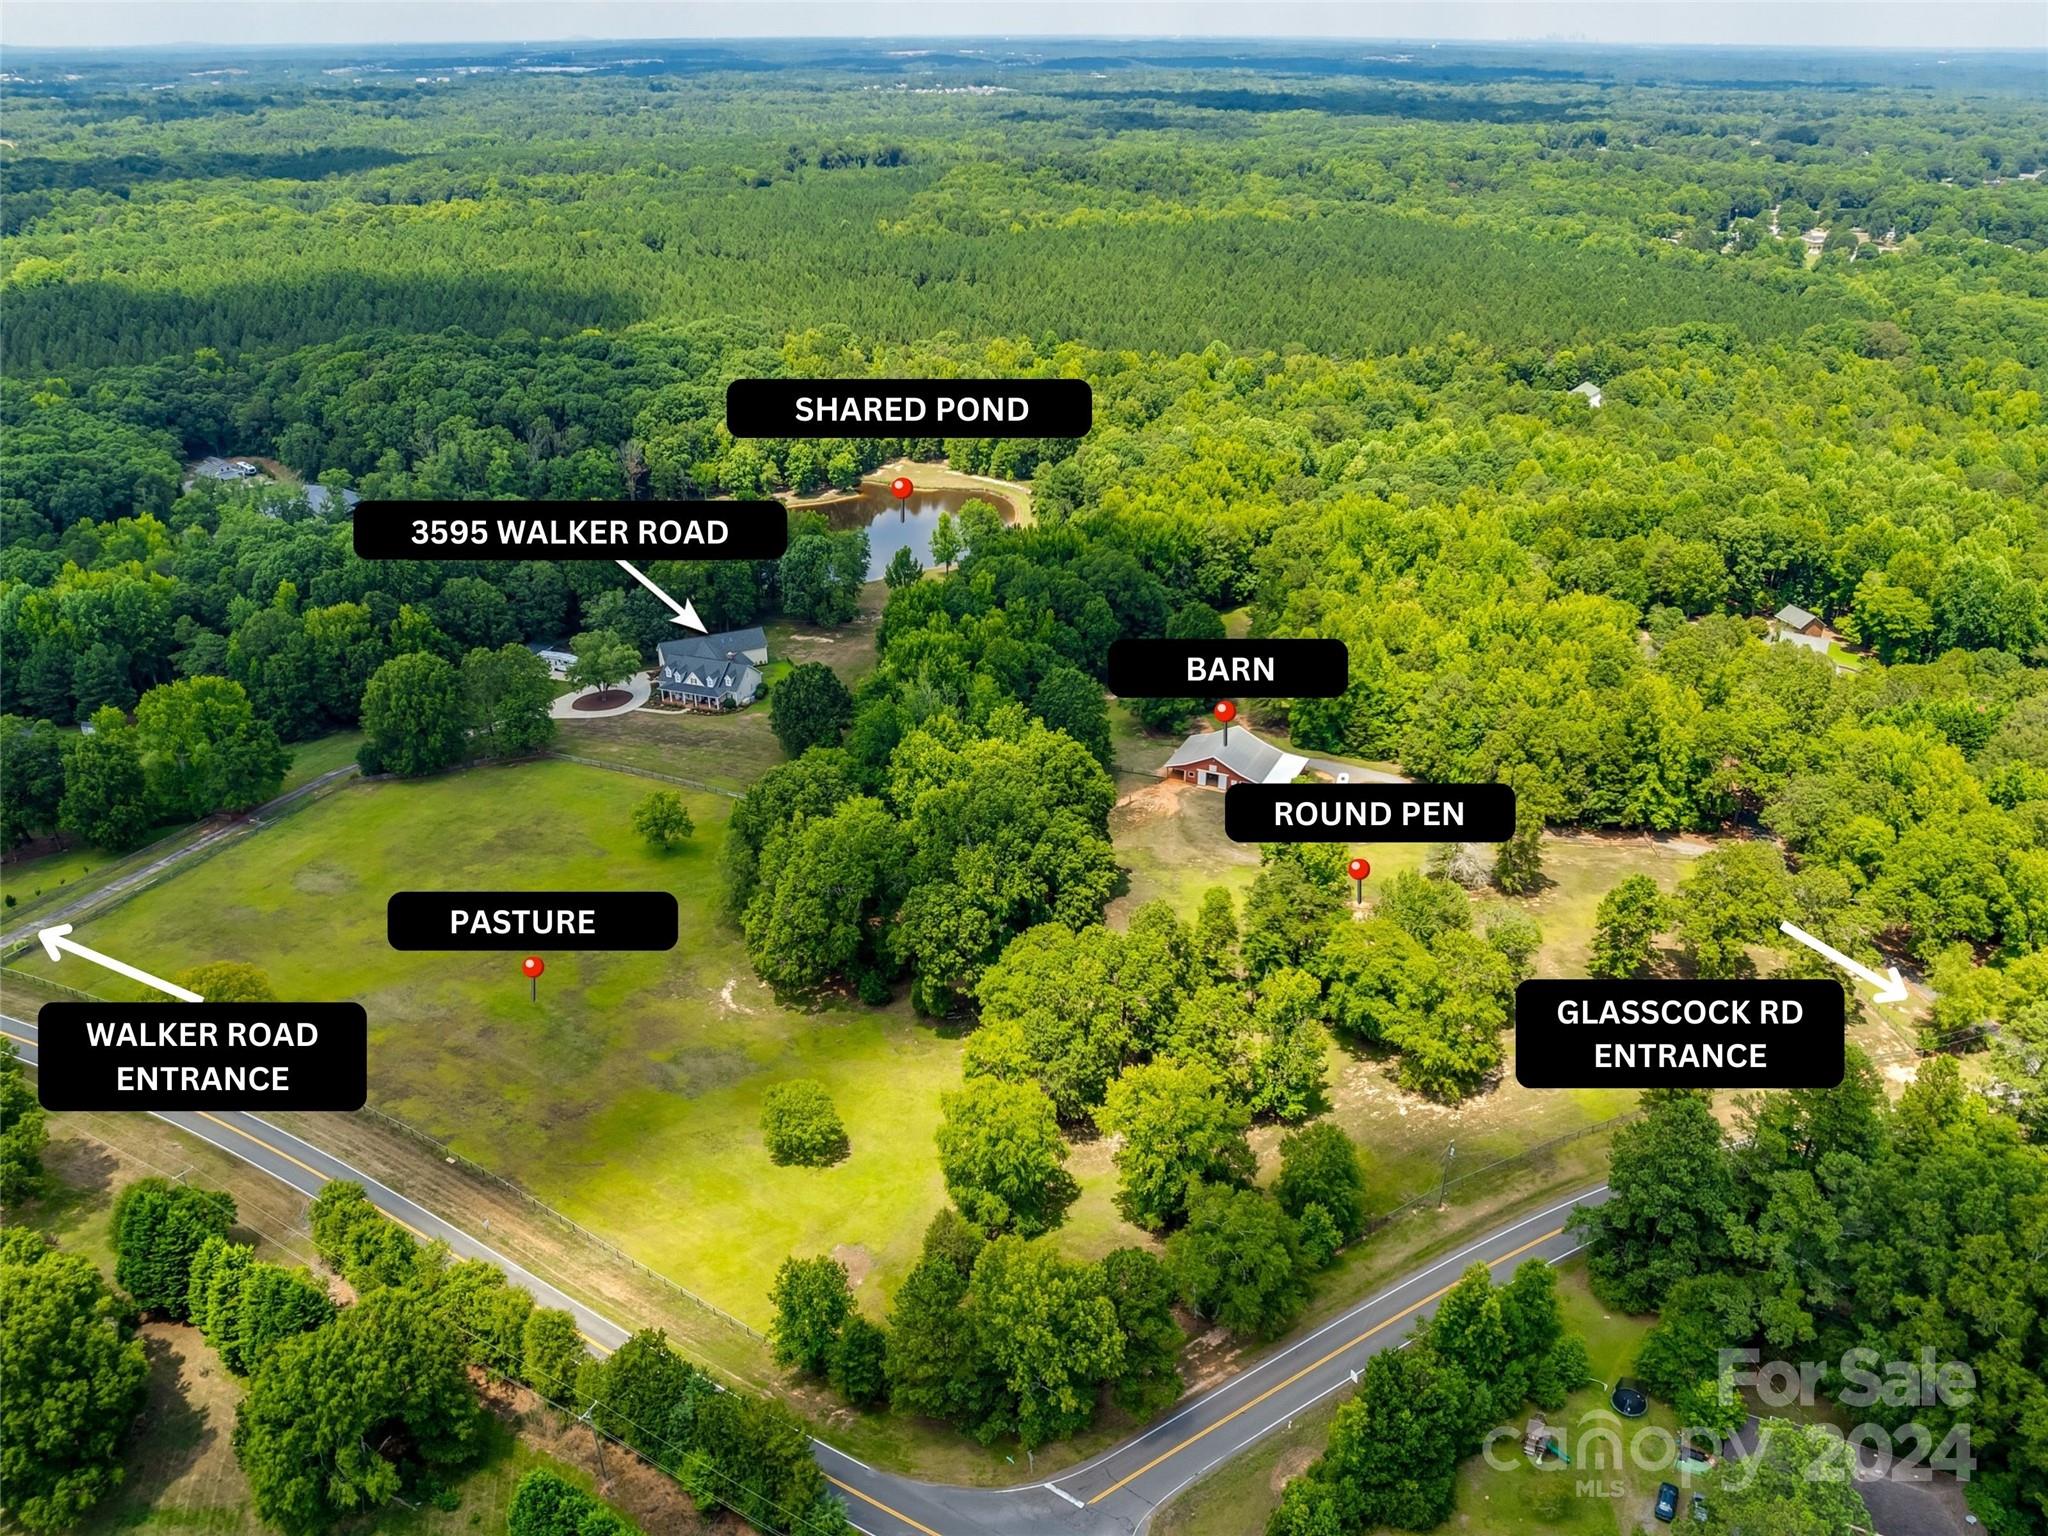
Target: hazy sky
pixel 1849 23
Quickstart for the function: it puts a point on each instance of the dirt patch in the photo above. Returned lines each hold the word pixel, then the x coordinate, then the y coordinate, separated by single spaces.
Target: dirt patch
pixel 611 698
pixel 323 880
pixel 1149 802
pixel 1210 1356
pixel 1291 1466
pixel 858 1262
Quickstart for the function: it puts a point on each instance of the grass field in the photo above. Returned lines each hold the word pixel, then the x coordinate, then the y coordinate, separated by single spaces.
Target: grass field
pixel 629 1096
pixel 323 754
pixel 721 752
pixel 52 879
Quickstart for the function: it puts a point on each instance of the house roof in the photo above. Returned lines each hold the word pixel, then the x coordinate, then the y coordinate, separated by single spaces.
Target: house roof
pixel 718 666
pixel 1815 643
pixel 707 649
pixel 550 648
pixel 1589 389
pixel 1243 754
pixel 1797 617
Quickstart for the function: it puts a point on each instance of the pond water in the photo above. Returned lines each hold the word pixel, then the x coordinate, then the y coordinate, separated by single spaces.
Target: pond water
pixel 894 525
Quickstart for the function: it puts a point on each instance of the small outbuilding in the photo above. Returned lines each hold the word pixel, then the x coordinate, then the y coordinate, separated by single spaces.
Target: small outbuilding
pixel 556 654
pixel 1793 625
pixel 1589 392
pixel 1209 760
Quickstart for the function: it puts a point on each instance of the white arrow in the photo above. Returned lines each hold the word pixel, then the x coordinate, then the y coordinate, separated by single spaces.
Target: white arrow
pixel 1891 988
pixel 685 612
pixel 55 944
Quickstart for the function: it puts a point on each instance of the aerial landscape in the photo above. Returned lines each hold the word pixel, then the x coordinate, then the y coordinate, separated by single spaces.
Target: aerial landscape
pixel 939 784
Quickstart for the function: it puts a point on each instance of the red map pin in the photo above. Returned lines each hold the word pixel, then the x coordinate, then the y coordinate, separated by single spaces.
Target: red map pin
pixel 1226 712
pixel 532 966
pixel 1359 870
pixel 901 488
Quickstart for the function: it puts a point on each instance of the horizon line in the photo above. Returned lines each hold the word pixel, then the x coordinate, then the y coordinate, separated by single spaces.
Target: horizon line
pixel 1537 40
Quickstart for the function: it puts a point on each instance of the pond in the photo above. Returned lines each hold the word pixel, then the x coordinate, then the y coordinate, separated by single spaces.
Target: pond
pixel 894 525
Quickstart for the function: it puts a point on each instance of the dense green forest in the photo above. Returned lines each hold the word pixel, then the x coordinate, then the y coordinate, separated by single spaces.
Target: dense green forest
pixel 1541 381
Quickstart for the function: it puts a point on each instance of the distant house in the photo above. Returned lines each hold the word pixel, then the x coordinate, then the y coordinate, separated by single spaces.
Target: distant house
pixel 1590 392
pixel 1795 626
pixel 556 654
pixel 1205 758
pixel 318 497
pixel 712 672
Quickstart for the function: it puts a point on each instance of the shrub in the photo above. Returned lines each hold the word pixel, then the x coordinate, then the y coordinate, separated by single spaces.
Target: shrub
pixel 547 1505
pixel 801 1126
pixel 664 820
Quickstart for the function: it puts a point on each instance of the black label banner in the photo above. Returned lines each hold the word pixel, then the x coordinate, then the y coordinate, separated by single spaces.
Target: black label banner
pixel 536 921
pixel 1369 813
pixel 165 1056
pixel 1776 1033
pixel 571 530
pixel 909 407
pixel 1241 669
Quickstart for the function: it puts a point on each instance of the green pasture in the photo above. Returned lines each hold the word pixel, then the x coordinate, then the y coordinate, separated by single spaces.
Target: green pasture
pixel 321 755
pixel 629 1095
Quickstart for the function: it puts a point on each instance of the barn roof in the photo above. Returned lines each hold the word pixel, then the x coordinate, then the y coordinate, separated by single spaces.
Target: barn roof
pixel 1243 754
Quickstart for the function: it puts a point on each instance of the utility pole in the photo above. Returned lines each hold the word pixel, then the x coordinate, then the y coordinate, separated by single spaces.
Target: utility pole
pixel 1443 1194
pixel 604 1481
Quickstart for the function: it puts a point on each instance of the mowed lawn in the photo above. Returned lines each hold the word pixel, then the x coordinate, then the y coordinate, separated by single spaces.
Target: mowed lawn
pixel 629 1095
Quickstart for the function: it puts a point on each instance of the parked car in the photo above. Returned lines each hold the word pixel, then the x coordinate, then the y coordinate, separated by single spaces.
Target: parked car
pixel 1667 1502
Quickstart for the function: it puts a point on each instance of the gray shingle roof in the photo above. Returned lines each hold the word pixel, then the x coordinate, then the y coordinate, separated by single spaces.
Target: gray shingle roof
pixel 709 648
pixel 1795 616
pixel 716 666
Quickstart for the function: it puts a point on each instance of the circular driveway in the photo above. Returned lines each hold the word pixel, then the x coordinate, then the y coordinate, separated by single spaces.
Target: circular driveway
pixel 638 690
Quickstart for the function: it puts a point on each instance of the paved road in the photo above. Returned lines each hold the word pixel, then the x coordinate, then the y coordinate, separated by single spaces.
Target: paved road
pixel 236 828
pixel 1115 1493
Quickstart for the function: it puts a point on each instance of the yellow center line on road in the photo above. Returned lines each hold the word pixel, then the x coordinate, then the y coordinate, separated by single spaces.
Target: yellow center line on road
pixel 915 1525
pixel 1118 1485
pixel 10 1034
pixel 324 1178
pixel 266 1146
pixel 1305 1370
